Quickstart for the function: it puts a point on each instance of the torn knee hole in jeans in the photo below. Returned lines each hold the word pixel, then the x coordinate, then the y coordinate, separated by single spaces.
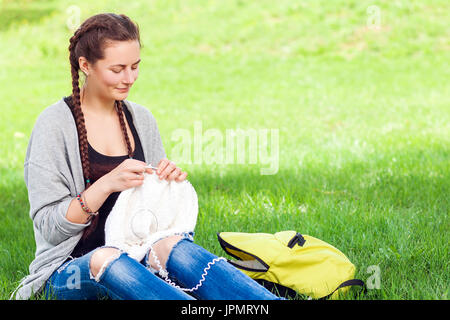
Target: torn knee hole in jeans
pixel 157 266
pixel 105 264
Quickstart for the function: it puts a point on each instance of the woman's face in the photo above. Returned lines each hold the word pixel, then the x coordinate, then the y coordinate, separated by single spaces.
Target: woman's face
pixel 118 70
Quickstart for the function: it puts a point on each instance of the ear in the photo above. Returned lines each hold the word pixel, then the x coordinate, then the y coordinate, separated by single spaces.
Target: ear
pixel 84 65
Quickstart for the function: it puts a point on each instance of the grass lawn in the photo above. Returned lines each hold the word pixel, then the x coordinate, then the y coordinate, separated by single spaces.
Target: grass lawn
pixel 362 116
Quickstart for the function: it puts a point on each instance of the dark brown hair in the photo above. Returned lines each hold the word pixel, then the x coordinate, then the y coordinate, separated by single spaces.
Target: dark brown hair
pixel 90 40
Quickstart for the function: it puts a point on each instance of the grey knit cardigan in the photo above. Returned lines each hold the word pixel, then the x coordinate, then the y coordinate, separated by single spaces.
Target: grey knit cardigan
pixel 53 176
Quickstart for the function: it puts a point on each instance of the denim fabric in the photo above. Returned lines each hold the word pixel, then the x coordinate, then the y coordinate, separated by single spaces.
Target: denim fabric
pixel 186 264
pixel 126 278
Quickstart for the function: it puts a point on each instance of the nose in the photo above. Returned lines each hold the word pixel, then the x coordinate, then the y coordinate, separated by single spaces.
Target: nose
pixel 128 77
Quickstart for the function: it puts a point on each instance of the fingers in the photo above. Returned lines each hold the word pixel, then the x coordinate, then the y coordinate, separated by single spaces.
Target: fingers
pixel 137 176
pixel 181 177
pixel 168 170
pixel 162 165
pixel 165 168
pixel 134 162
pixel 138 170
pixel 137 165
pixel 175 174
pixel 133 165
pixel 149 170
pixel 135 169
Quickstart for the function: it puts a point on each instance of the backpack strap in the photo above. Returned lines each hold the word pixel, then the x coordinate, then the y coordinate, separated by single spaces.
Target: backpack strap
pixel 351 282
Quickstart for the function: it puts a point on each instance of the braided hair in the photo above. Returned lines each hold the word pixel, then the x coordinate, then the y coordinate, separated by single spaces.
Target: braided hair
pixel 89 41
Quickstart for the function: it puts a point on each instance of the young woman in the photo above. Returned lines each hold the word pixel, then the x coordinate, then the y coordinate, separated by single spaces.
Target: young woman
pixel 83 151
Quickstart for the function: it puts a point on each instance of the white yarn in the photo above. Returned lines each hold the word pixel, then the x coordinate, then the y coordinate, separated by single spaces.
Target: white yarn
pixel 145 214
pixel 165 275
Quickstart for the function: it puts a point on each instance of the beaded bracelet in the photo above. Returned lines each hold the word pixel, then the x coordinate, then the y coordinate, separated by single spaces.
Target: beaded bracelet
pixel 85 207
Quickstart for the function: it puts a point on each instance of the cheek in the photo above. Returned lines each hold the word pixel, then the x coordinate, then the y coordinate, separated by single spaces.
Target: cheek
pixel 113 80
pixel 110 79
pixel 135 73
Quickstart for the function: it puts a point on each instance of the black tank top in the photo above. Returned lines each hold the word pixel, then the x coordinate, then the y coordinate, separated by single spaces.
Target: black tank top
pixel 101 165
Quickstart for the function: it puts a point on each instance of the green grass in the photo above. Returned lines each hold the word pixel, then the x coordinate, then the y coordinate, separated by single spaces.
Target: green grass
pixel 363 118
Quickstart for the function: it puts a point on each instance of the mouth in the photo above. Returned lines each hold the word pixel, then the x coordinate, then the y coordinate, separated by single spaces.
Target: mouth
pixel 123 89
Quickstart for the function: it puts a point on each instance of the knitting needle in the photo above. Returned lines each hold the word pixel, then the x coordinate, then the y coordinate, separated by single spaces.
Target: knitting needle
pixel 151 167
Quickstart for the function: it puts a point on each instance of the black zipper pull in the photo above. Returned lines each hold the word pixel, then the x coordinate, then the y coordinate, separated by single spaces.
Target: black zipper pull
pixel 297 239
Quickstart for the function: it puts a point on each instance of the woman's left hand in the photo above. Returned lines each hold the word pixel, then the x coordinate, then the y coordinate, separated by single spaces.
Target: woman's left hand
pixel 169 171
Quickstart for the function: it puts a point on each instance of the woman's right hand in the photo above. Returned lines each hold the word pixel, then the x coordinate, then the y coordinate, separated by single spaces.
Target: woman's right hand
pixel 128 174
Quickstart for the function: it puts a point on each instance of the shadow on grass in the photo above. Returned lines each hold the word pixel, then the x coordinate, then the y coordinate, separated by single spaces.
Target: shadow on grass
pixel 371 211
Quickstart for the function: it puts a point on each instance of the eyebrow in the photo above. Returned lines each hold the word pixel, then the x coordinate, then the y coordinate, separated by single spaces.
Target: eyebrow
pixel 124 65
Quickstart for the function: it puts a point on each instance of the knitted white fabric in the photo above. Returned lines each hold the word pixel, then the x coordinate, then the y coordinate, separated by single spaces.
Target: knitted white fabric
pixel 145 214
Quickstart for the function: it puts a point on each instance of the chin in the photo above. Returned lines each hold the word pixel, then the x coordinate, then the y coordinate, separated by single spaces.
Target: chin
pixel 121 96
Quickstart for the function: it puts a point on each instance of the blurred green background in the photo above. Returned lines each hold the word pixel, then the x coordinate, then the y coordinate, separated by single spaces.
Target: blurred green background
pixel 358 90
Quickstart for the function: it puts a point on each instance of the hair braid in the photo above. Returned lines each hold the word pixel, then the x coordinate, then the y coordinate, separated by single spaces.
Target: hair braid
pixel 79 120
pixel 119 109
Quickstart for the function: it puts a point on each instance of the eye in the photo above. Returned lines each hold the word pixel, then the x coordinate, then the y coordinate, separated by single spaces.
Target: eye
pixel 132 68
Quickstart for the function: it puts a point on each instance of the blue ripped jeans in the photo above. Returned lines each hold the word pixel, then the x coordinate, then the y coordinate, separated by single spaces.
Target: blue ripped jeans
pixel 126 278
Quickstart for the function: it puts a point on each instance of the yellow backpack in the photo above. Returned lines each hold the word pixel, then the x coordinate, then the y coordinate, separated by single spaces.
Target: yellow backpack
pixel 291 263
